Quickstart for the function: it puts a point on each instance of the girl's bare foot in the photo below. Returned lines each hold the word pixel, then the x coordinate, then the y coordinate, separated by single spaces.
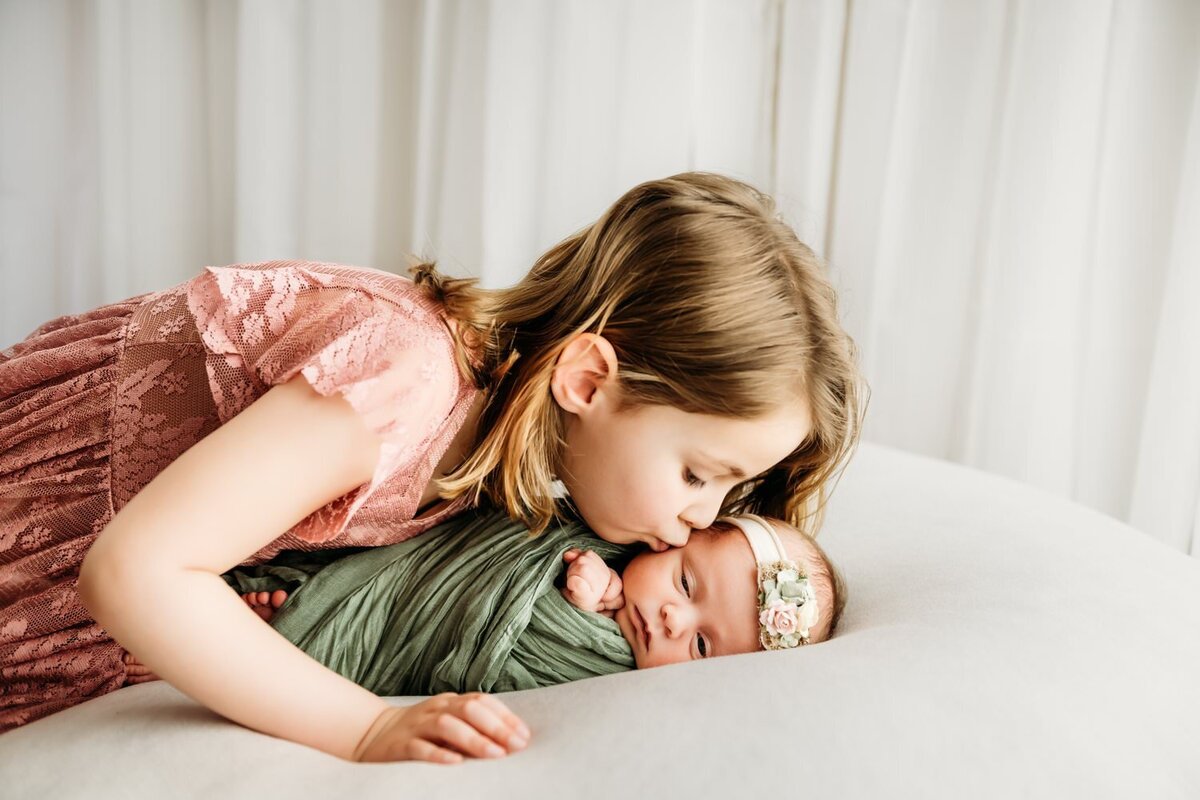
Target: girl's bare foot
pixel 265 604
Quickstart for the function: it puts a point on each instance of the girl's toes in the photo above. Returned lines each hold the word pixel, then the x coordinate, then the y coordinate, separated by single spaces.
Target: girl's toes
pixel 264 598
pixel 278 598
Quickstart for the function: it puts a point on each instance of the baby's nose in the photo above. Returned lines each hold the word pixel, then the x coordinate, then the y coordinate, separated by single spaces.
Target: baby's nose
pixel 674 620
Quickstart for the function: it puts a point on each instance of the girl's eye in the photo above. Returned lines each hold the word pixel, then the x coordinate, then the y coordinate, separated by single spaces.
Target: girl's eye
pixel 687 589
pixel 701 646
pixel 692 479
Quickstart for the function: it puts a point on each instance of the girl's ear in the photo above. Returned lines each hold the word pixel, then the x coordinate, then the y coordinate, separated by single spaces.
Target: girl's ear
pixel 585 366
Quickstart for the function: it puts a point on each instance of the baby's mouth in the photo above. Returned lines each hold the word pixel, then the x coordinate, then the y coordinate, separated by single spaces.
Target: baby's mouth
pixel 642 628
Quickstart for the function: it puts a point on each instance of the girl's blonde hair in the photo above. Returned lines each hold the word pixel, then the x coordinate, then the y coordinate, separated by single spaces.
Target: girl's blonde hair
pixel 713 306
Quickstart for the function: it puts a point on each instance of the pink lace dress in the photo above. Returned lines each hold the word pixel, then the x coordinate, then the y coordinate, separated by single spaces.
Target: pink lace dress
pixel 94 405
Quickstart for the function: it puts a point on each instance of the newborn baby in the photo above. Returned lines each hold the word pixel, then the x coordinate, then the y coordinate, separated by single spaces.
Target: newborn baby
pixel 474 605
pixel 704 599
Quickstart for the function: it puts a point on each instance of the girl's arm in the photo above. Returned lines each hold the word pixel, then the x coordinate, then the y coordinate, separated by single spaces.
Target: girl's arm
pixel 152 578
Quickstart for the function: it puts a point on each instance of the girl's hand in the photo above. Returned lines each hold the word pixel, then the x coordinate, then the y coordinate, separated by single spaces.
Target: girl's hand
pixel 443 729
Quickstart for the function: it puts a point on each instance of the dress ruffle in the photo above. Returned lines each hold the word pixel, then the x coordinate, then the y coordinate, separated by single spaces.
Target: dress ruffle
pixel 56 400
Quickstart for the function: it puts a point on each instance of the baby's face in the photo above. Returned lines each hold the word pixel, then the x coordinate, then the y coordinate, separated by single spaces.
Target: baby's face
pixel 697 601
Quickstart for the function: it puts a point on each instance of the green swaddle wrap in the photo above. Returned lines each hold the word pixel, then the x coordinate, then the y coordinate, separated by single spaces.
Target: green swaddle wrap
pixel 469 605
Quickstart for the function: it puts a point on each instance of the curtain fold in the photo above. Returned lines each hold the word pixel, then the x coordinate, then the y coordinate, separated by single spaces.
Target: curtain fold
pixel 1166 485
pixel 1006 191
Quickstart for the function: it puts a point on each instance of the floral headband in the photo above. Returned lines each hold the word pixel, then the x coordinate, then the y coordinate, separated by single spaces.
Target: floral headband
pixel 787 604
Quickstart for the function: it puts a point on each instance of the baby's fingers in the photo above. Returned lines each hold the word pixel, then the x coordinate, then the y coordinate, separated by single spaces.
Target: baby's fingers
pixel 571 555
pixel 613 603
pixel 613 597
pixel 577 585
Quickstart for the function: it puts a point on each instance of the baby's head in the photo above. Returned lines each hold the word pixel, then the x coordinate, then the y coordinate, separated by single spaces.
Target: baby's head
pixel 702 600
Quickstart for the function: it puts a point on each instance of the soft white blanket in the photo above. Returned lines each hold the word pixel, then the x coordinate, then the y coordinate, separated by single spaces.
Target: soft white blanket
pixel 998 642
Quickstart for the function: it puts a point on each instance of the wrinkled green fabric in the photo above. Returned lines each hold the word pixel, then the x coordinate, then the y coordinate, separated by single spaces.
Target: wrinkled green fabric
pixel 470 605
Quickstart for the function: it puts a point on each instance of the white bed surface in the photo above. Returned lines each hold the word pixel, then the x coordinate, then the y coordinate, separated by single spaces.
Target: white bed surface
pixel 998 642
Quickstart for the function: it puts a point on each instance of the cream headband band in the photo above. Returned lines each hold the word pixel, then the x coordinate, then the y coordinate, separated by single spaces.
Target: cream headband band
pixel 787 605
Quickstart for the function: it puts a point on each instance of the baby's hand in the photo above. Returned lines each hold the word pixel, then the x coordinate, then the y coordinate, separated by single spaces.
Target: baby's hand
pixel 591 584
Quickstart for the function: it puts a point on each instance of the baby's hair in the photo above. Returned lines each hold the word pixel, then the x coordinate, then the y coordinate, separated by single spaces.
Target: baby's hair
pixel 697 283
pixel 826 579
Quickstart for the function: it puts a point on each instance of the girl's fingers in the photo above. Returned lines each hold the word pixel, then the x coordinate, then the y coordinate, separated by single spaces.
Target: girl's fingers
pixel 423 750
pixel 444 729
pixel 490 722
pixel 464 738
pixel 505 713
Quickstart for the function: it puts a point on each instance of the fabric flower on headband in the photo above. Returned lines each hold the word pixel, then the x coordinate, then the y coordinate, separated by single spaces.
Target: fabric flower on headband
pixel 787 605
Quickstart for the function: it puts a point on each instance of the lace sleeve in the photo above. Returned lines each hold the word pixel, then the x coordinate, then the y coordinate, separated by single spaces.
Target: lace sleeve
pixel 392 359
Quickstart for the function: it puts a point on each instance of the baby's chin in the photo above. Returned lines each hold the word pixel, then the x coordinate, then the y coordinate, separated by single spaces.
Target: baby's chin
pixel 627 633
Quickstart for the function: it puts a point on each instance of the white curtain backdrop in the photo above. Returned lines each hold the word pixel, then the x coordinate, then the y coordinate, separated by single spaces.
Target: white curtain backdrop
pixel 1007 191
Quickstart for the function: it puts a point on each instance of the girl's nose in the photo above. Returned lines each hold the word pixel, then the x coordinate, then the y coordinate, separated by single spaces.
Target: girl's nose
pixel 703 513
pixel 675 537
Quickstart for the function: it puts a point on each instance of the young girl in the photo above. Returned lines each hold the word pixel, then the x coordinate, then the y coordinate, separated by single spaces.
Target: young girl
pixel 679 356
pixel 475 607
